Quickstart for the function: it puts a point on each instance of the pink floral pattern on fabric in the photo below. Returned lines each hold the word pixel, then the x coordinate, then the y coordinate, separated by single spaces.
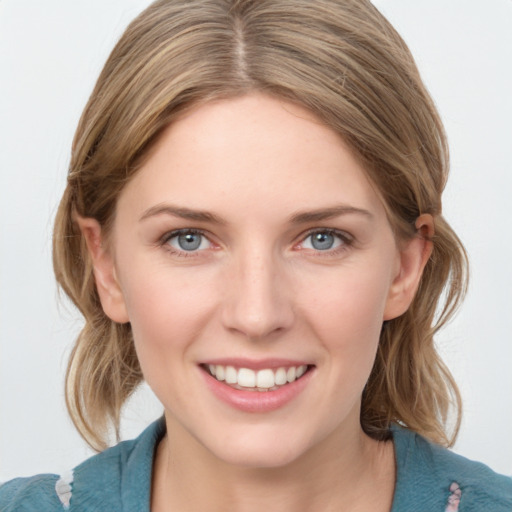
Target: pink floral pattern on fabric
pixel 454 498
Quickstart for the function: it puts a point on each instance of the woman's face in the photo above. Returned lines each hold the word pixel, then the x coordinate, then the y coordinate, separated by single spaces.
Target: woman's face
pixel 252 246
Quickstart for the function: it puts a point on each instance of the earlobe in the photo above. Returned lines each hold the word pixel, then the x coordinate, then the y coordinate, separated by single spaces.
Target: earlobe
pixel 413 257
pixel 109 291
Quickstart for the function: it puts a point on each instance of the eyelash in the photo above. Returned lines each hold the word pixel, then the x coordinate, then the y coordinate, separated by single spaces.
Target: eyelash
pixel 164 241
pixel 346 241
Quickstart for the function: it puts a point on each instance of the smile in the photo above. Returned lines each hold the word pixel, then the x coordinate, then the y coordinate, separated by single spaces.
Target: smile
pixel 266 379
pixel 257 386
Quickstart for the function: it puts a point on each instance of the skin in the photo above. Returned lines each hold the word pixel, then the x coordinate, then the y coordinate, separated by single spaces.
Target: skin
pixel 258 288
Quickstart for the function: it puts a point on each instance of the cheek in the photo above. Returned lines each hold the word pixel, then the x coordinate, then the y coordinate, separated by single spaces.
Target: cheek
pixel 349 302
pixel 167 312
pixel 345 312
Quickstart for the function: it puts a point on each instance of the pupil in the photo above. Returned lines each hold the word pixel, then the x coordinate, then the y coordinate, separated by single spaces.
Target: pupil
pixel 189 241
pixel 322 241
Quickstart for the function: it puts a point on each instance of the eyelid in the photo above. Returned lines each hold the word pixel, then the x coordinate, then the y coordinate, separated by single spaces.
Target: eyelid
pixel 181 231
pixel 169 235
pixel 346 238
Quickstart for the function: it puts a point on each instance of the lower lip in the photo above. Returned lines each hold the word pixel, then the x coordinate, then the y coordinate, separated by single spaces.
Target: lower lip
pixel 257 401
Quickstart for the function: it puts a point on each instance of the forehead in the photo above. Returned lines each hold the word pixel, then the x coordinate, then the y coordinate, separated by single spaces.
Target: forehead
pixel 249 149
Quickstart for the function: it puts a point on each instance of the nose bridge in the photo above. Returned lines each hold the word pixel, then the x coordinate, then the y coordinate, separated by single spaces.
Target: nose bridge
pixel 258 303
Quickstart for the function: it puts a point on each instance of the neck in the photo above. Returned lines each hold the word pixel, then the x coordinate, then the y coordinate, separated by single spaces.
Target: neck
pixel 345 472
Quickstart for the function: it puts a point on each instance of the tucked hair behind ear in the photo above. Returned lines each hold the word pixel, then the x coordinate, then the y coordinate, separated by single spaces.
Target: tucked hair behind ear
pixel 342 60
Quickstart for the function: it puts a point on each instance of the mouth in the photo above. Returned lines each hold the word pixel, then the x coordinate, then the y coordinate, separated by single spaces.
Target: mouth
pixel 262 380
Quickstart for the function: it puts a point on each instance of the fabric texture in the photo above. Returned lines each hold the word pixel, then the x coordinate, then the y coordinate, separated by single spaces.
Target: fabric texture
pixel 429 479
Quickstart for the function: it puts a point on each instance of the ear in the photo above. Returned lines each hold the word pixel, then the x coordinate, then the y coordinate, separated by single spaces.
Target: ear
pixel 111 295
pixel 414 255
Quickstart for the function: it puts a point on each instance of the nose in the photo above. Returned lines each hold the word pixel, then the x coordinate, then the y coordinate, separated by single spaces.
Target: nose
pixel 257 304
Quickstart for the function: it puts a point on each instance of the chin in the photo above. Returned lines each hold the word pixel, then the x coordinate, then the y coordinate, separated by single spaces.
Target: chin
pixel 261 450
pixel 261 459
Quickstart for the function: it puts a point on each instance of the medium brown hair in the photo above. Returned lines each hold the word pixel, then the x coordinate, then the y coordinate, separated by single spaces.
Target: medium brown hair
pixel 343 61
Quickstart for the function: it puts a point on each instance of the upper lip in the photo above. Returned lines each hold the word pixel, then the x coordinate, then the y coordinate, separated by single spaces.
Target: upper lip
pixel 256 364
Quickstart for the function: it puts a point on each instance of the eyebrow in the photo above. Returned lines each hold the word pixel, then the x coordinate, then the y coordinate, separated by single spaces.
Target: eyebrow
pixel 297 218
pixel 182 212
pixel 328 213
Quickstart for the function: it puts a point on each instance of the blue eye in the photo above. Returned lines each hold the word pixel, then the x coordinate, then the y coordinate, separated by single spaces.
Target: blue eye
pixel 188 241
pixel 324 240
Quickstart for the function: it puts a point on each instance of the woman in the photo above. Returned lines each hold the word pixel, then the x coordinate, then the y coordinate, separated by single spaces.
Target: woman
pixel 253 224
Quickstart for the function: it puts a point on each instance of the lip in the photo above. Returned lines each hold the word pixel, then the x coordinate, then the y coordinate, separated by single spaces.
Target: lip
pixel 256 364
pixel 256 401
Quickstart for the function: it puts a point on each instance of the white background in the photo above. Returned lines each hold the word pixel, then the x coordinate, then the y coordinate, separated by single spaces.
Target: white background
pixel 50 55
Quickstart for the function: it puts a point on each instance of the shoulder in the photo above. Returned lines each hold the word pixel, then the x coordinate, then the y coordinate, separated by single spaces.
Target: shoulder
pixel 432 473
pixel 117 479
pixel 30 494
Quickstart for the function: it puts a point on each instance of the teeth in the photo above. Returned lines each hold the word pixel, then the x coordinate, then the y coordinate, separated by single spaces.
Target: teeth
pixel 246 378
pixel 265 379
pixel 231 376
pixel 262 379
pixel 280 377
pixel 220 373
